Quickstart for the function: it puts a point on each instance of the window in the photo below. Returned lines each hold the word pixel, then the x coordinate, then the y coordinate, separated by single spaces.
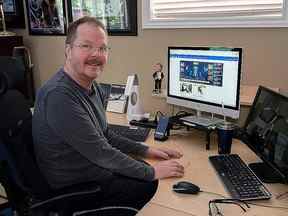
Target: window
pixel 214 13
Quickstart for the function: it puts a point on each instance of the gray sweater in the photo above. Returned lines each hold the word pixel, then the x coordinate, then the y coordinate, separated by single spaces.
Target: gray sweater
pixel 72 141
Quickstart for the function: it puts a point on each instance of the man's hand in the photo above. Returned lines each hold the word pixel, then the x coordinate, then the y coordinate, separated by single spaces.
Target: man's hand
pixel 162 153
pixel 169 168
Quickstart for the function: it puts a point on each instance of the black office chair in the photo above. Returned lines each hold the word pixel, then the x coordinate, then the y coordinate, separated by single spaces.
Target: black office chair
pixel 12 72
pixel 27 87
pixel 27 190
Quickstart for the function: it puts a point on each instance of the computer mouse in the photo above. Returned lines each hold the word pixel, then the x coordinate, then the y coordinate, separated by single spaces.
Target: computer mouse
pixel 186 187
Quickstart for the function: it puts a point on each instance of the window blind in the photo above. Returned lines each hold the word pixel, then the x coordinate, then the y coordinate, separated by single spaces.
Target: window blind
pixel 199 9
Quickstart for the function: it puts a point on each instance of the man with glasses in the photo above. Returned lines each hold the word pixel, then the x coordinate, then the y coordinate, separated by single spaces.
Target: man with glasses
pixel 73 143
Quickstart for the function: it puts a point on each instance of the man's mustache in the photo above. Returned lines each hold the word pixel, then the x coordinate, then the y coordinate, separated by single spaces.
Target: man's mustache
pixel 97 62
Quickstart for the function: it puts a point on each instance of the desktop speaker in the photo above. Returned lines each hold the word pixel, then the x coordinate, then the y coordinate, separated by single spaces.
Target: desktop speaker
pixel 135 110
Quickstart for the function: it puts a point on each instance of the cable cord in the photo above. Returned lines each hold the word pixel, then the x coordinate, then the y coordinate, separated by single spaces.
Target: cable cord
pixel 156 119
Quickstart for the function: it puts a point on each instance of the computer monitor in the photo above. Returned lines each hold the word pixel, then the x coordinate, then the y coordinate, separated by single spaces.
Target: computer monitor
pixel 266 133
pixel 205 79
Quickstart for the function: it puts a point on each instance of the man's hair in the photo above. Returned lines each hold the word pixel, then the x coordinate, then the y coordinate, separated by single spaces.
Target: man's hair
pixel 72 29
pixel 161 66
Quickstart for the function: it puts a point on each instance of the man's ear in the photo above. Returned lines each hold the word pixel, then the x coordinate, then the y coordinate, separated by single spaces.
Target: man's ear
pixel 67 51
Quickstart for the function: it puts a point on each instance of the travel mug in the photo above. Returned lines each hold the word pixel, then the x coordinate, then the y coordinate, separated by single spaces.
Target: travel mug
pixel 225 135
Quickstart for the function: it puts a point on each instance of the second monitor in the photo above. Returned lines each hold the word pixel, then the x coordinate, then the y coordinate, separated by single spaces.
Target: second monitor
pixel 205 79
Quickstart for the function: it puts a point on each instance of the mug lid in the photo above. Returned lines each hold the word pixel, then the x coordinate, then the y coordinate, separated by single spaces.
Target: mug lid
pixel 226 126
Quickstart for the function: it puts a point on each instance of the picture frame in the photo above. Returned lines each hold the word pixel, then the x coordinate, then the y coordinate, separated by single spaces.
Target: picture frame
pixel 46 17
pixel 14 14
pixel 119 16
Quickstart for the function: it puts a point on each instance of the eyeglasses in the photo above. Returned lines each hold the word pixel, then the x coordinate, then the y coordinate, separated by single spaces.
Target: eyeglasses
pixel 91 49
pixel 237 202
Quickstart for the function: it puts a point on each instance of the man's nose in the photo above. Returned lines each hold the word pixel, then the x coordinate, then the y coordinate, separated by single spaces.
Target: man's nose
pixel 96 51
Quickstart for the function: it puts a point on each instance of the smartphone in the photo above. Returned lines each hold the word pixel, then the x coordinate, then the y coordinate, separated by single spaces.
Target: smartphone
pixel 161 130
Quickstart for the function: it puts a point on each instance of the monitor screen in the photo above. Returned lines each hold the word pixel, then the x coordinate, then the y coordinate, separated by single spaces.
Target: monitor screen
pixel 205 79
pixel 267 129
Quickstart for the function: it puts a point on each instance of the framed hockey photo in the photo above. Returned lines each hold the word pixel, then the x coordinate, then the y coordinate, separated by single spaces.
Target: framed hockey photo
pixel 46 17
pixel 119 16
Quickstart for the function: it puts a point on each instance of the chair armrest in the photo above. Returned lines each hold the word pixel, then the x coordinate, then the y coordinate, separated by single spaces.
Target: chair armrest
pixel 64 198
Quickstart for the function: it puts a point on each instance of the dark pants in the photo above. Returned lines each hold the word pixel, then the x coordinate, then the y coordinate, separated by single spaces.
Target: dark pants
pixel 121 196
pixel 157 85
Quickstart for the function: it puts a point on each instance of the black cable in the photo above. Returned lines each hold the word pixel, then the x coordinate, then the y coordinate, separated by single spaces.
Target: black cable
pixel 182 112
pixel 175 121
pixel 177 127
pixel 157 115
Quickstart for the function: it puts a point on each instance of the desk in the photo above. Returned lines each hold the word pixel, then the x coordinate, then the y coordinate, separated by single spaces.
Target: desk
pixel 199 171
pixel 248 92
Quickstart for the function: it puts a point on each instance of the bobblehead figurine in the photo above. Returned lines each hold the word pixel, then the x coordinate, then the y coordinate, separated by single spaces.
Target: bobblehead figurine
pixel 158 77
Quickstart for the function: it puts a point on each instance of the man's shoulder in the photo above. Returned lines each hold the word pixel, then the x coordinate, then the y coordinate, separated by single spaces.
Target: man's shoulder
pixel 58 82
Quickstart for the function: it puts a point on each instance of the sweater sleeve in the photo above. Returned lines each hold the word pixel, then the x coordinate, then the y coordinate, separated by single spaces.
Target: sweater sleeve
pixel 71 122
pixel 126 145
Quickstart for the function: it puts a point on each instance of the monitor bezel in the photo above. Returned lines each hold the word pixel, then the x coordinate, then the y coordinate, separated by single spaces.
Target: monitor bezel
pixel 248 119
pixel 216 105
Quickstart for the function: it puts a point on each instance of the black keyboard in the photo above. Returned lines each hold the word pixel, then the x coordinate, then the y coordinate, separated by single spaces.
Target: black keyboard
pixel 238 178
pixel 138 134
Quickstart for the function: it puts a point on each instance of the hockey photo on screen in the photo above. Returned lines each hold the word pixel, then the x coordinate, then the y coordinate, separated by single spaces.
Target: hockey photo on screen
pixel 202 72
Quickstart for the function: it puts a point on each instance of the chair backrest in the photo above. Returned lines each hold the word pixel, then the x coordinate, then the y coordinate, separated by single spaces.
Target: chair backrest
pixel 12 70
pixel 17 146
pixel 24 53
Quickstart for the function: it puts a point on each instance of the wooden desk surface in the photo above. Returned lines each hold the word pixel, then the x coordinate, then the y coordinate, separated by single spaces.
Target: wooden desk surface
pixel 248 92
pixel 199 171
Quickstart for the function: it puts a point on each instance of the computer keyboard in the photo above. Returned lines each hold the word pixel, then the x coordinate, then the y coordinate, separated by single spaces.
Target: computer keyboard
pixel 138 134
pixel 203 121
pixel 238 178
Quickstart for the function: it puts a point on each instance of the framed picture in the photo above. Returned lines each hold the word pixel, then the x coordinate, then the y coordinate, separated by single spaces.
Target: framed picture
pixel 14 13
pixel 119 16
pixel 46 17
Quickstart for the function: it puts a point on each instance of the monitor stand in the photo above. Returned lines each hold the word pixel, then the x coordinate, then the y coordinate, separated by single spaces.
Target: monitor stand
pixel 204 123
pixel 199 119
pixel 265 173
